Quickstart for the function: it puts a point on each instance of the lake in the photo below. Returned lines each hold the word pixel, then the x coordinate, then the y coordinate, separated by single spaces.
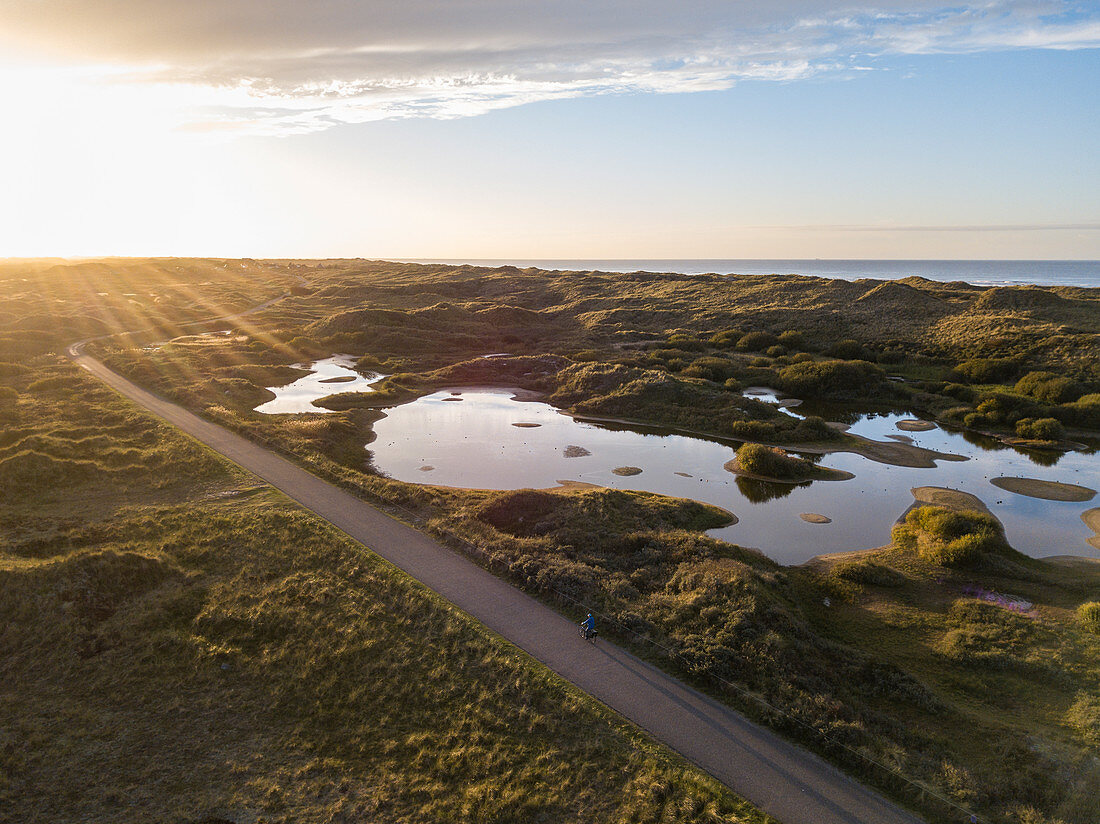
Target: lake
pixel 485 439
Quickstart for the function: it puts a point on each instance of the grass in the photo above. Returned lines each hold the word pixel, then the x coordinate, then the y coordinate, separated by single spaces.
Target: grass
pixel 179 644
pixel 889 653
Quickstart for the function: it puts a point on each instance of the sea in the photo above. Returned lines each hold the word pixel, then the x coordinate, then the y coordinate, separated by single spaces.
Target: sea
pixel 979 272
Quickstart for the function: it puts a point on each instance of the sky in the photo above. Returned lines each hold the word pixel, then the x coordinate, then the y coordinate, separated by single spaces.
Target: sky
pixel 554 129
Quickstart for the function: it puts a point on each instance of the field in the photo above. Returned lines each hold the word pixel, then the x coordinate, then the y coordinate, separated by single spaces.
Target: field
pixel 918 656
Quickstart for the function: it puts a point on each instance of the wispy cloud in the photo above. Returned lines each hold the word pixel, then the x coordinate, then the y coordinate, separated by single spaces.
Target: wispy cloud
pixel 286 67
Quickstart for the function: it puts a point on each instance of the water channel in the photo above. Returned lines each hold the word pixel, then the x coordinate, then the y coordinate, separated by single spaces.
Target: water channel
pixel 486 439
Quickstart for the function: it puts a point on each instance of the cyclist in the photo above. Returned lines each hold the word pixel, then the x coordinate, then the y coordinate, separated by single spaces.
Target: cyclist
pixel 588 626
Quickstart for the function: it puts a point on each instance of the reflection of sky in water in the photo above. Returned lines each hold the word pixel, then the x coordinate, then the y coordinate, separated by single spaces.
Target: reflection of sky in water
pixel 299 396
pixel 472 442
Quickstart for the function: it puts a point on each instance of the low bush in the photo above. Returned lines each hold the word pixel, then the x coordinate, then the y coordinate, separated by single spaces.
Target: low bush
pixel 793 340
pixel 986 370
pixel 710 368
pixel 770 462
pixel 951 538
pixel 757 341
pixel 1049 388
pixel 830 379
pixel 847 350
pixel 1084 412
pixel 727 338
pixel 960 392
pixel 1088 616
pixel 1040 429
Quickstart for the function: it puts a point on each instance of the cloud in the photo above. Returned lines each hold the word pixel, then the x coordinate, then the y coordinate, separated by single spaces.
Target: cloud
pixel 284 66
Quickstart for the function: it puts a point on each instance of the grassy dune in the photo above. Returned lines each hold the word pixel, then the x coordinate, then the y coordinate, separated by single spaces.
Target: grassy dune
pixel 181 645
pixel 895 654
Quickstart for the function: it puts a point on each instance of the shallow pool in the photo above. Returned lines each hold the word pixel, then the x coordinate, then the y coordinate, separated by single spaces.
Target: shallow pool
pixel 484 439
pixel 327 377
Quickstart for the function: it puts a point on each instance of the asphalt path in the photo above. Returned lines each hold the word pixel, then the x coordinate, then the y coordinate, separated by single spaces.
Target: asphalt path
pixel 787 782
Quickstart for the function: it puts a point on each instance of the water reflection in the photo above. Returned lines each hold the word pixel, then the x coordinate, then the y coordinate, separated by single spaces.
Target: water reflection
pixel 327 377
pixel 477 444
pixel 760 492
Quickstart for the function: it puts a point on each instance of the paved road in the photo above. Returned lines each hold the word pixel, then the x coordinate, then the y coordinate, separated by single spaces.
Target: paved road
pixel 785 781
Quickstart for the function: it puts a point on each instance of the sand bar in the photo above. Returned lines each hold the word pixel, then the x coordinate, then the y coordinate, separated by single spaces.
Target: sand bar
pixel 915 426
pixel 1091 517
pixel 814 518
pixel 627 470
pixel 1046 490
pixel 947 498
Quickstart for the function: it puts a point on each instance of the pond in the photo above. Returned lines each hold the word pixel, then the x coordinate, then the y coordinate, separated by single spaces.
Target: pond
pixel 327 377
pixel 488 439
pixel 484 439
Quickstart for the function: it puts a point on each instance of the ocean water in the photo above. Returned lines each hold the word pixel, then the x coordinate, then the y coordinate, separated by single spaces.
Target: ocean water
pixel 979 272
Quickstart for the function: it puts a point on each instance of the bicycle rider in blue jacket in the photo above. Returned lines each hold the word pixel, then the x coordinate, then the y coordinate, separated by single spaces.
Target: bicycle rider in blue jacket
pixel 589 626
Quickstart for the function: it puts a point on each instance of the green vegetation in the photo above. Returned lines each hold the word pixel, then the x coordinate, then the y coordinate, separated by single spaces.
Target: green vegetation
pixel 1088 615
pixel 889 654
pixel 951 538
pixel 772 463
pixel 1040 429
pixel 217 654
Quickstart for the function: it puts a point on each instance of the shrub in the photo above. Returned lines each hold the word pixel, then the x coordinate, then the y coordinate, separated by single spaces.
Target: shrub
pixel 986 370
pixel 769 461
pixel 754 430
pixel 960 392
pixel 733 385
pixel 1040 429
pixel 847 350
pixel 688 343
pixel 757 376
pixel 792 340
pixel 757 341
pixel 1048 387
pixel 830 378
pixel 726 338
pixel 1000 407
pixel 1088 616
pixel 776 351
pixel 813 428
pixel 711 368
pixel 950 538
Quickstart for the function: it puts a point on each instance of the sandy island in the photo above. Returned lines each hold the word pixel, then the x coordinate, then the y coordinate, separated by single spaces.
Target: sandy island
pixel 947 498
pixel 339 379
pixel 573 451
pixel 1091 517
pixel 627 470
pixel 1046 490
pixel 527 425
pixel 915 426
pixel 814 518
